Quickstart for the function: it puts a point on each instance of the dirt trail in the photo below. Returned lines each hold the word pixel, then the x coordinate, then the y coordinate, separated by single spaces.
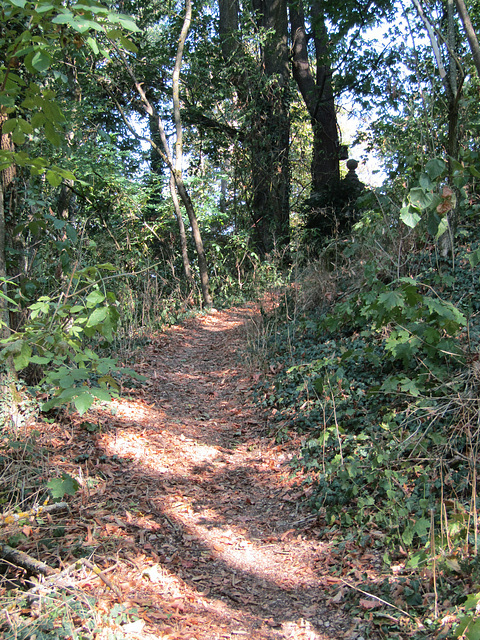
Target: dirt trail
pixel 197 510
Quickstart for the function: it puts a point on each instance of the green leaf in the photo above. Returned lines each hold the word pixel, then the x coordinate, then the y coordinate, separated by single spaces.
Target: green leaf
pixel 22 359
pixel 41 359
pixel 473 631
pixel 128 44
pixel 109 381
pixel 66 485
pixel 420 198
pixel 474 257
pixel 18 137
pixel 409 216
pixel 18 3
pixel 94 297
pixel 41 60
pixel 422 527
pixel 52 135
pixel 93 45
pixel 64 18
pixel 25 126
pixel 54 179
pixel 106 265
pixel 83 402
pixel 125 21
pixel 474 171
pixel 425 182
pixel 101 394
pixel 9 125
pixel 97 316
pixel 435 168
pixel 407 536
pixel 391 299
pixel 464 622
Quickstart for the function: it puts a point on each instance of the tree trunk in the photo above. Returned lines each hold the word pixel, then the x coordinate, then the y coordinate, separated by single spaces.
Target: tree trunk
pixel 317 94
pixel 183 236
pixel 228 26
pixel 470 33
pixel 178 168
pixel 268 138
pixel 175 166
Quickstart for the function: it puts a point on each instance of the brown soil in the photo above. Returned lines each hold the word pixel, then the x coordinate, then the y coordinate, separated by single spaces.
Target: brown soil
pixel 188 504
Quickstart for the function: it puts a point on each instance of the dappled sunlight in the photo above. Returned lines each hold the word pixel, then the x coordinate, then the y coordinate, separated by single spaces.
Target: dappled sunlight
pixel 189 503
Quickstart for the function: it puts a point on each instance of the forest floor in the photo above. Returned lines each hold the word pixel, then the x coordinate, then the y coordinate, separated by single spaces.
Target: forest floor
pixel 188 505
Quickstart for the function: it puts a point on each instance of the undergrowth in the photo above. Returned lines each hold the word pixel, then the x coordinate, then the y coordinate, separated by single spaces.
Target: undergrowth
pixel 382 383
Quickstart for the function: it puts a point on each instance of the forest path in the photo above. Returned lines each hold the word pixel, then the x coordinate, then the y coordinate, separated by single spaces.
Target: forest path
pixel 198 509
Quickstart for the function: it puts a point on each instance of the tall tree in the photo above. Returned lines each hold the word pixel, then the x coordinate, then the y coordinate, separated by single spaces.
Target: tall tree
pixel 263 91
pixel 173 161
pixel 317 92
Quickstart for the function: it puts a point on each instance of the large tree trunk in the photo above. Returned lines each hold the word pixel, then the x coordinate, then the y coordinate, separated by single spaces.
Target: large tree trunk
pixel 317 94
pixel 268 137
pixel 271 143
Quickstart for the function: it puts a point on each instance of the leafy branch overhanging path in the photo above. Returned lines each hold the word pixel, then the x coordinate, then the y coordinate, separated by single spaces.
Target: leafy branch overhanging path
pixel 196 507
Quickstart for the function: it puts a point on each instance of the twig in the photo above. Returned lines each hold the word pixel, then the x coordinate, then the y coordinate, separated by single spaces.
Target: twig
pixel 34 512
pixel 370 595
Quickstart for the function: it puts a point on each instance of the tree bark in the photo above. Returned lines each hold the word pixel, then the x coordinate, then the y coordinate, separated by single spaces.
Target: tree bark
pixel 6 178
pixel 268 137
pixel 174 165
pixel 317 94
pixel 228 26
pixel 452 79
pixel 470 33
pixel 181 228
pixel 271 144
pixel 178 168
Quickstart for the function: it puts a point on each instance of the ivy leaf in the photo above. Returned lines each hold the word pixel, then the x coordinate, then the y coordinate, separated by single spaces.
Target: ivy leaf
pixel 391 299
pixel 66 485
pixel 474 257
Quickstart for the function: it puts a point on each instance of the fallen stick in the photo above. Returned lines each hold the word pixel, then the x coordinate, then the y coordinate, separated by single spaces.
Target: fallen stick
pixel 23 560
pixel 12 518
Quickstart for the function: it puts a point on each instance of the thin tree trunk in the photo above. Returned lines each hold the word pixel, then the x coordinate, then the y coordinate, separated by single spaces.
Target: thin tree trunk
pixel 178 167
pixel 181 227
pixel 4 316
pixel 6 179
pixel 181 189
pixel 470 33
pixel 452 79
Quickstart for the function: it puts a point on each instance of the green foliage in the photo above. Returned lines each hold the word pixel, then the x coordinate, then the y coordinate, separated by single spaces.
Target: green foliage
pixel 64 486
pixel 30 106
pixel 56 335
